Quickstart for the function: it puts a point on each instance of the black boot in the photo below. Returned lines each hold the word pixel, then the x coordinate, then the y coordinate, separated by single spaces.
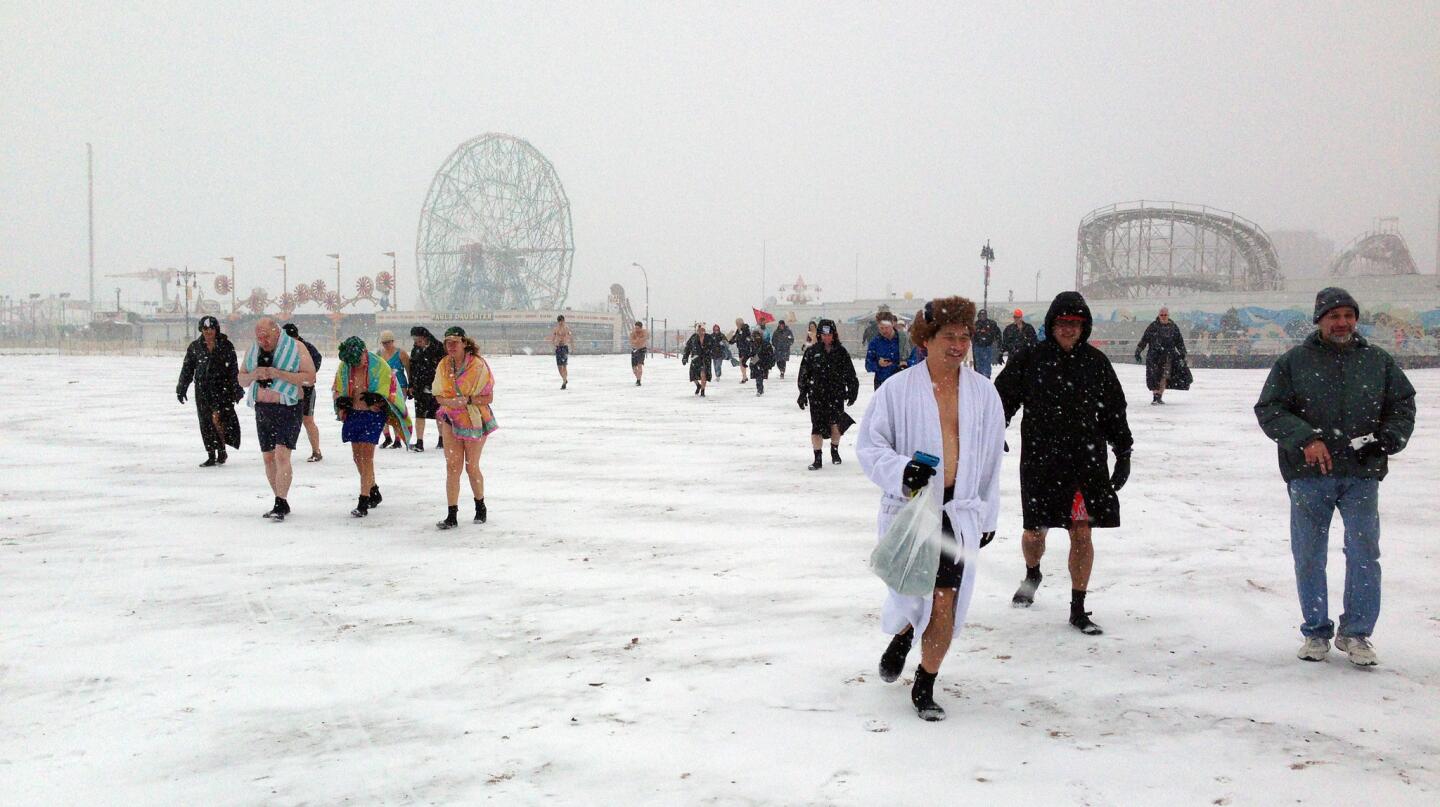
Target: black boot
pixel 220 457
pixel 451 521
pixel 440 442
pixel 922 694
pixel 1079 617
pixel 697 387
pixel 480 513
pixel 834 454
pixel 816 465
pixel 892 661
pixel 386 444
pixel 1154 398
pixel 363 508
pixel 1025 595
pixel 279 511
pixel 419 445
pixel 375 498
pixel 209 459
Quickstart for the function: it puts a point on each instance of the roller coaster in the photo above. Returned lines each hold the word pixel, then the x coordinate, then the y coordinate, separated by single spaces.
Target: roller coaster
pixel 1147 249
pixel 1380 252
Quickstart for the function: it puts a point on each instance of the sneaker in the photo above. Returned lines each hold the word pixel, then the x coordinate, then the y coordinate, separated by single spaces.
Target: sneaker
pixel 1358 648
pixel 419 446
pixel 892 662
pixel 1314 649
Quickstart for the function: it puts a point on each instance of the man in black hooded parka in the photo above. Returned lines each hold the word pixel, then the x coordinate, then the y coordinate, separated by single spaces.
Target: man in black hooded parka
pixel 1074 408
pixel 827 384
pixel 210 362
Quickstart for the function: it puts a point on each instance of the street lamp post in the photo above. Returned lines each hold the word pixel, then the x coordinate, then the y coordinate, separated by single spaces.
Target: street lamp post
pixel 284 275
pixel 394 282
pixel 336 256
pixel 231 261
pixel 185 281
pixel 645 275
pixel 987 254
pixel 1037 285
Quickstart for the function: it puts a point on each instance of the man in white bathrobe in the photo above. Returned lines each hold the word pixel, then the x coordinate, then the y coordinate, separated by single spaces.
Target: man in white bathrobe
pixel 947 410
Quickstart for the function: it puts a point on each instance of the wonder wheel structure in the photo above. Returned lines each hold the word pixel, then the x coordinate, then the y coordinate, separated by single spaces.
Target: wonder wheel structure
pixel 495 230
pixel 1150 249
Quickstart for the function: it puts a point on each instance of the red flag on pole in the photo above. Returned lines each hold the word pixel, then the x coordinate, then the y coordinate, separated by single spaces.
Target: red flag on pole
pixel 762 317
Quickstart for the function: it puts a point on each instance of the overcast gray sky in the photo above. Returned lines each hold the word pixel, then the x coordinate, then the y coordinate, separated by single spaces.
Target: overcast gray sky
pixel 689 134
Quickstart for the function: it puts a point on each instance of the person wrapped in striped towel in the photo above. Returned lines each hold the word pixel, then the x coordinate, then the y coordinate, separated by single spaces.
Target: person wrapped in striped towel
pixel 275 368
pixel 367 395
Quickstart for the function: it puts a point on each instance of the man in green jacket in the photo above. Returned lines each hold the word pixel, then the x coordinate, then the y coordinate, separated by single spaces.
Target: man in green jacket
pixel 1337 406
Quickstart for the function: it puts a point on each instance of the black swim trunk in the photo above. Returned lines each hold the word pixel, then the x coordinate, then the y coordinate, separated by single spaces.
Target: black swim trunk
pixel 307 403
pixel 951 569
pixel 637 357
pixel 277 425
pixel 425 406
pixel 562 356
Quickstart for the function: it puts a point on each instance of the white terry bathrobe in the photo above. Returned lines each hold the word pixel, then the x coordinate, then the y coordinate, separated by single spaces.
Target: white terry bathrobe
pixel 903 418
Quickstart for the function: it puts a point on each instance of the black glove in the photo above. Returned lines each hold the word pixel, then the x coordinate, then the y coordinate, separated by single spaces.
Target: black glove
pixel 1007 446
pixel 238 394
pixel 917 475
pixel 986 538
pixel 801 400
pixel 1121 472
pixel 180 395
pixel 1390 443
pixel 344 402
pixel 1137 357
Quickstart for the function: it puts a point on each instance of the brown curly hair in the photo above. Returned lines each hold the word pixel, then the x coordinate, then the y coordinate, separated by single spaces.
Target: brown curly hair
pixel 940 312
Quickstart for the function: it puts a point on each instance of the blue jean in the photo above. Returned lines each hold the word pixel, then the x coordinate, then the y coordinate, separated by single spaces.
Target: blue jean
pixel 716 364
pixel 984 354
pixel 1313 502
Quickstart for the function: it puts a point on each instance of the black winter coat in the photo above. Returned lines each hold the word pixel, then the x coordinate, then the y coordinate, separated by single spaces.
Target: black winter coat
pixel 1013 339
pixel 214 373
pixel 423 361
pixel 987 332
pixel 741 340
pixel 1167 345
pixel 1074 406
pixel 827 378
pixel 782 340
pixel 762 358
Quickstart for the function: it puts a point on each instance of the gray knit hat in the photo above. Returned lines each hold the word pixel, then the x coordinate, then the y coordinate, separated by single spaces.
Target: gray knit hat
pixel 1332 297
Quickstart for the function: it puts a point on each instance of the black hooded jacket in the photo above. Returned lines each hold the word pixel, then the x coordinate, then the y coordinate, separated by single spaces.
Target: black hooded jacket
pixel 1074 406
pixel 827 378
pixel 424 360
pixel 215 373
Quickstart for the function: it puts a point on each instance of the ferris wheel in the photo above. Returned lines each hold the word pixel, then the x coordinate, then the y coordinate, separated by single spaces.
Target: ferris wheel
pixel 495 230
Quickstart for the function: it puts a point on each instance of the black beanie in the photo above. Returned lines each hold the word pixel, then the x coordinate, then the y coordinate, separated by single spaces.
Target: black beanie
pixel 1331 298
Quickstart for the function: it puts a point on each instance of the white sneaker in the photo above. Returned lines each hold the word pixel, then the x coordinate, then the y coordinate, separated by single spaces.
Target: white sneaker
pixel 1358 648
pixel 1314 649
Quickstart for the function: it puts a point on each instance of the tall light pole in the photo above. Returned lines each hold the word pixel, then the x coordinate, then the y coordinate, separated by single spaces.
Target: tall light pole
pixel 231 261
pixel 394 282
pixel 336 256
pixel 1037 285
pixel 645 275
pixel 284 275
pixel 90 204
pixel 185 281
pixel 987 254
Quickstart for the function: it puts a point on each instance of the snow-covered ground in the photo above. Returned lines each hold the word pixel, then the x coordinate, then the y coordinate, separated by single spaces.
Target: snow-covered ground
pixel 665 607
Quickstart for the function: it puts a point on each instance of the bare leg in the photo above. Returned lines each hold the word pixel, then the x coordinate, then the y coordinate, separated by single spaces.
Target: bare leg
pixel 367 467
pixel 472 468
pixel 565 374
pixel 1082 555
pixel 816 441
pixel 357 454
pixel 834 436
pixel 454 462
pixel 1032 546
pixel 935 642
pixel 419 429
pixel 283 473
pixel 312 432
pixel 270 470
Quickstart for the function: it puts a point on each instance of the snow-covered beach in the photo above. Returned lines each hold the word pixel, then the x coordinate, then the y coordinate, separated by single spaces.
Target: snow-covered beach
pixel 665 607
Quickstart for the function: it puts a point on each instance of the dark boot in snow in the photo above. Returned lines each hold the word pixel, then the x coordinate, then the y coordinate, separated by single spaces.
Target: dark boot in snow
pixel 279 511
pixel 220 457
pixel 209 460
pixel 451 521
pixel 363 508
pixel 375 497
pixel 816 465
pixel 1079 617
pixel 480 513
pixel 834 454
pixel 1025 595
pixel 386 444
pixel 440 442
pixel 922 694
pixel 419 445
pixel 892 661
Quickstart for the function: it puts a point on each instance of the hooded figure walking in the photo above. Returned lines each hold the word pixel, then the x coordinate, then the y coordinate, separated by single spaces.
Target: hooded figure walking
pixel 1074 408
pixel 762 358
pixel 211 363
pixel 827 384
pixel 425 355
pixel 1165 366
pixel 945 409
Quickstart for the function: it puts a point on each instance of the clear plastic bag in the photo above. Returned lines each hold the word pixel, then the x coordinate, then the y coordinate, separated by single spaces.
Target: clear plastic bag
pixel 908 555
